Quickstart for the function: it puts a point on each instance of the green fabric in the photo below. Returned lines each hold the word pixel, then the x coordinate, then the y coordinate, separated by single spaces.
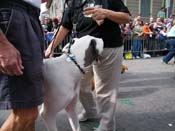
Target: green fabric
pixel 139 29
pixel 161 14
pixel 171 33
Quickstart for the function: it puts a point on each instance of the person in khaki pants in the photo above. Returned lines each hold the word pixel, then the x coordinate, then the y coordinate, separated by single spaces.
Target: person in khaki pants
pixel 104 24
pixel 106 97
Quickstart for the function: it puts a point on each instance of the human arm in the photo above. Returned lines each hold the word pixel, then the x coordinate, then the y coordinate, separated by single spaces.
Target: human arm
pixel 59 37
pixel 139 33
pixel 10 59
pixel 147 30
pixel 101 14
pixel 163 33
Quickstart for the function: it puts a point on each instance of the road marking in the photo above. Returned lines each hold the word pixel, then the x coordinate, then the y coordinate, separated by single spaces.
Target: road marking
pixel 127 101
pixel 144 79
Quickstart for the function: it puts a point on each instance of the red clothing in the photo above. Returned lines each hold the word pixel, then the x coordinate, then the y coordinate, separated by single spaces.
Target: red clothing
pixel 146 31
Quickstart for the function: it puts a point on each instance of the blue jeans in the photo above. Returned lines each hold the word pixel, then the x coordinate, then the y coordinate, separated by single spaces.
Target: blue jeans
pixel 136 48
pixel 171 53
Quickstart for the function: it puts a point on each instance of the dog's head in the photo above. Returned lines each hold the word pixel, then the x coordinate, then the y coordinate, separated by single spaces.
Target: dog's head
pixel 86 49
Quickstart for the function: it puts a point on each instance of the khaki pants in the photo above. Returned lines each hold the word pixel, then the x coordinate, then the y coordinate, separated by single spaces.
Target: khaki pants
pixel 107 77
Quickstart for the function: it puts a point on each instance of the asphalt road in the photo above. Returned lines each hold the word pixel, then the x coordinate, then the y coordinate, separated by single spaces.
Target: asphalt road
pixel 146 99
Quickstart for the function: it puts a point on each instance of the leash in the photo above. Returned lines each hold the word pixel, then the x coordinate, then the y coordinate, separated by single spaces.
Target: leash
pixel 73 59
pixel 76 9
pixel 75 62
pixel 70 55
pixel 73 35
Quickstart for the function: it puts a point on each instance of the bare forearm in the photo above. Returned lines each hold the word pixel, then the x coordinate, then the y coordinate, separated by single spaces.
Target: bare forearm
pixel 62 33
pixel 118 17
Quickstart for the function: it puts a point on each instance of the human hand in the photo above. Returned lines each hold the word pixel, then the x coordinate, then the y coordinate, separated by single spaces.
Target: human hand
pixel 99 22
pixel 140 34
pixel 97 14
pixel 49 52
pixel 10 60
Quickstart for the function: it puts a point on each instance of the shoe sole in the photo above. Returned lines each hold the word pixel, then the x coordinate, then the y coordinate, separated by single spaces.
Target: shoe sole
pixel 83 120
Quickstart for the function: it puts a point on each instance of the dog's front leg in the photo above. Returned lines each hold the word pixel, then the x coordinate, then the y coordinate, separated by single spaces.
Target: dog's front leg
pixel 49 118
pixel 72 114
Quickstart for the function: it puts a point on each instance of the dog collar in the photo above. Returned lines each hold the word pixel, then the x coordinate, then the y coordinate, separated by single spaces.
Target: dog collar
pixel 72 58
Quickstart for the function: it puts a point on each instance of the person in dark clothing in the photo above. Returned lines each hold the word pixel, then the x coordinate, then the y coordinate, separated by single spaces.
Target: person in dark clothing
pixel 49 25
pixel 107 72
pixel 21 60
pixel 55 23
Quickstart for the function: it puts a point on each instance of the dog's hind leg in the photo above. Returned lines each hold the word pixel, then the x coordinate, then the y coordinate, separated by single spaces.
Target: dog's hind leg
pixel 49 118
pixel 72 114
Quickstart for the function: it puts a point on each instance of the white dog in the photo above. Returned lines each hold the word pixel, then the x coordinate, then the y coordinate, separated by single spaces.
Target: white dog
pixel 62 77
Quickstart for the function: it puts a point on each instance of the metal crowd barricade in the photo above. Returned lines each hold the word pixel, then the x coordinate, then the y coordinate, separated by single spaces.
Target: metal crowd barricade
pixel 127 41
pixel 152 45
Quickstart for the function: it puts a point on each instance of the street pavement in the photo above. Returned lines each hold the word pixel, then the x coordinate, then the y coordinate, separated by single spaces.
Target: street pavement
pixel 146 99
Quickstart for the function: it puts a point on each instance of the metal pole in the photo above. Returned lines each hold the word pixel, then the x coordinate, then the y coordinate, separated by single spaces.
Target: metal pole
pixel 167 7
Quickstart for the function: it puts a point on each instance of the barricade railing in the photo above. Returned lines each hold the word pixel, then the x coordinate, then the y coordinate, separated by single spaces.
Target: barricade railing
pixel 151 45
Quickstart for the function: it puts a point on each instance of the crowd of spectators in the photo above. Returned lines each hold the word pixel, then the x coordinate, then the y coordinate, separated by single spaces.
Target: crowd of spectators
pixel 147 36
pixel 50 26
pixel 139 36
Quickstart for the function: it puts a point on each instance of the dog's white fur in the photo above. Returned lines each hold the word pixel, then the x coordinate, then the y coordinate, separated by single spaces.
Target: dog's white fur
pixel 61 82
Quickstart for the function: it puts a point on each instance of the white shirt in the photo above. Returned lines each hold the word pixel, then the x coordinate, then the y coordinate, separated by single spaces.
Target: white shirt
pixel 35 3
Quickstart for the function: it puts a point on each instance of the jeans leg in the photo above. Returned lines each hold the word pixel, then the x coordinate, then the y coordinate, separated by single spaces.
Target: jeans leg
pixel 171 53
pixel 134 48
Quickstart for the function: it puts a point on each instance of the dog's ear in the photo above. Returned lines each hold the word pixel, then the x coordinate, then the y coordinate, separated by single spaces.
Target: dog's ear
pixel 91 53
pixel 93 43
